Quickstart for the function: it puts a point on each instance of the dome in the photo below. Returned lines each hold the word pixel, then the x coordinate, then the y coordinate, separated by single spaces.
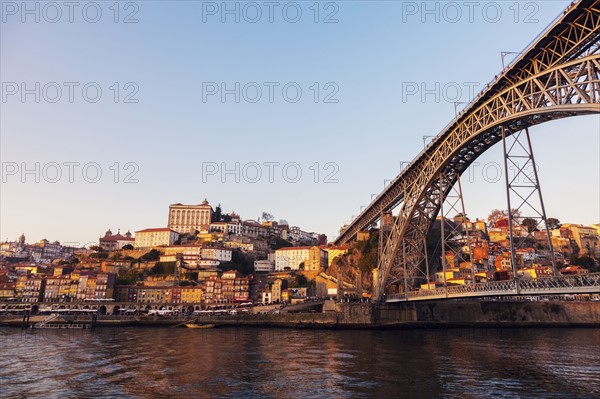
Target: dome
pixel 108 233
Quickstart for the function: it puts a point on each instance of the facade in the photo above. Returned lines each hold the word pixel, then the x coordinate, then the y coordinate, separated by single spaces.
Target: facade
pixel 156 237
pixel 191 294
pixel 335 251
pixel 290 258
pixel 586 237
pixel 264 266
pixel 221 254
pixel 190 218
pixel 7 290
pixel 235 288
pixel 276 290
pixel 317 260
pixel 213 290
pixel 33 289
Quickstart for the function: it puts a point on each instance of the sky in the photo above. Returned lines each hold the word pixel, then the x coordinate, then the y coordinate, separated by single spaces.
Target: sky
pixel 112 111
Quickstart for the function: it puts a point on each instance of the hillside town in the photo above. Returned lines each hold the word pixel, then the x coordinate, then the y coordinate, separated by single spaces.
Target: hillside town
pixel 205 258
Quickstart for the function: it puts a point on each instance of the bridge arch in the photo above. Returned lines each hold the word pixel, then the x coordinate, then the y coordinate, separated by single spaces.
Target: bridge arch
pixel 563 91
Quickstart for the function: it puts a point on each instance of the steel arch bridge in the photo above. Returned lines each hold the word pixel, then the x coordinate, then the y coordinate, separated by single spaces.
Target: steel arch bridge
pixel 557 76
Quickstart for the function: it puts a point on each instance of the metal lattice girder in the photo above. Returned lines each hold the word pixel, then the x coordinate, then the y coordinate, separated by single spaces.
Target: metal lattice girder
pixel 523 193
pixel 570 284
pixel 455 236
pixel 543 77
pixel 574 33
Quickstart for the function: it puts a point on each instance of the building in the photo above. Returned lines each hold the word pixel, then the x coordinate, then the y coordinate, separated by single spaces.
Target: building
pixel 7 290
pixel 276 290
pixel 114 242
pixel 235 288
pixel 586 237
pixel 191 294
pixel 189 254
pixel 213 292
pixel 290 258
pixel 157 237
pixel 190 218
pixel 335 251
pixel 221 254
pixel 317 260
pixel 264 266
pixel 33 289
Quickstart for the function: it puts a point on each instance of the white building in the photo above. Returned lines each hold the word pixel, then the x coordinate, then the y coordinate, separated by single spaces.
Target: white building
pixel 189 218
pixel 234 228
pixel 263 266
pixel 290 258
pixel 157 237
pixel 221 254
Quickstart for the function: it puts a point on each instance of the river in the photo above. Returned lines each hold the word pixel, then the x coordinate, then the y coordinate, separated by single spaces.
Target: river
pixel 287 363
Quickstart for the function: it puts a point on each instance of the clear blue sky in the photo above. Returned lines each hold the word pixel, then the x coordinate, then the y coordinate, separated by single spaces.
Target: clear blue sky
pixel 374 51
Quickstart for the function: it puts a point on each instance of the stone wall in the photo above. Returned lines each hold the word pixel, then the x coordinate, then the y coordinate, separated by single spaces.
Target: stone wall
pixel 496 313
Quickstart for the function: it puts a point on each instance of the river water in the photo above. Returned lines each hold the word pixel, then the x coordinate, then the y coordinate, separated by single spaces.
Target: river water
pixel 286 363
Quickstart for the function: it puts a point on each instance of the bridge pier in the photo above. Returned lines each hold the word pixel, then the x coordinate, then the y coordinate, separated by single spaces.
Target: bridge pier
pixel 523 189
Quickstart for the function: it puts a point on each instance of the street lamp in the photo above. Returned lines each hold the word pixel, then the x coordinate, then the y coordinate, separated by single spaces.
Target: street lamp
pixel 456 108
pixel 425 140
pixel 505 53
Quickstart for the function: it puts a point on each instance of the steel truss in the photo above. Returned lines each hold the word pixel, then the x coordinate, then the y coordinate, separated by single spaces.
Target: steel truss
pixel 573 37
pixel 455 236
pixel 574 284
pixel 523 193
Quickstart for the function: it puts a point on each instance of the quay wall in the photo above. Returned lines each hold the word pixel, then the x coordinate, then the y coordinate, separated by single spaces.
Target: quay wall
pixel 364 315
pixel 481 313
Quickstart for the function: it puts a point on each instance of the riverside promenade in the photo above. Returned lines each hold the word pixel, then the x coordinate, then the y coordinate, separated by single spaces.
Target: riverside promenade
pixel 344 315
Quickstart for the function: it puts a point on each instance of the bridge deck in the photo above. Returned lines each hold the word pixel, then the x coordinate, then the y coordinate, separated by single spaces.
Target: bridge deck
pixel 575 284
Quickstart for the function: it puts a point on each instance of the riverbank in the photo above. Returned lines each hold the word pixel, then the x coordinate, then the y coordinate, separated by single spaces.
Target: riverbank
pixel 426 314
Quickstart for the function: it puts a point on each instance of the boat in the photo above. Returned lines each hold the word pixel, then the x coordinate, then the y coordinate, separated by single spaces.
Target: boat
pixel 195 325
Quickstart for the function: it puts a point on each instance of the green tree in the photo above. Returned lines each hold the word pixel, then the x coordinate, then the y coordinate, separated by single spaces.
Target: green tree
pixel 587 263
pixel 127 247
pixel 99 255
pixel 299 282
pixel 553 223
pixel 217 214
pixel 280 243
pixel 530 224
pixel 153 255
pixel 267 217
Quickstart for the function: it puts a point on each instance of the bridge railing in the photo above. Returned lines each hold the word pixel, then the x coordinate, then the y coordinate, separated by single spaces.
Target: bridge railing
pixel 554 284
pixel 559 282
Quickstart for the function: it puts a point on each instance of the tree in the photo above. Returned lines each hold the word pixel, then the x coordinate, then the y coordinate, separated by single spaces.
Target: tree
pixel 553 223
pixel 127 247
pixel 153 255
pixel 217 214
pixel 530 224
pixel 280 243
pixel 99 255
pixel 498 214
pixel 587 263
pixel 299 281
pixel 267 217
